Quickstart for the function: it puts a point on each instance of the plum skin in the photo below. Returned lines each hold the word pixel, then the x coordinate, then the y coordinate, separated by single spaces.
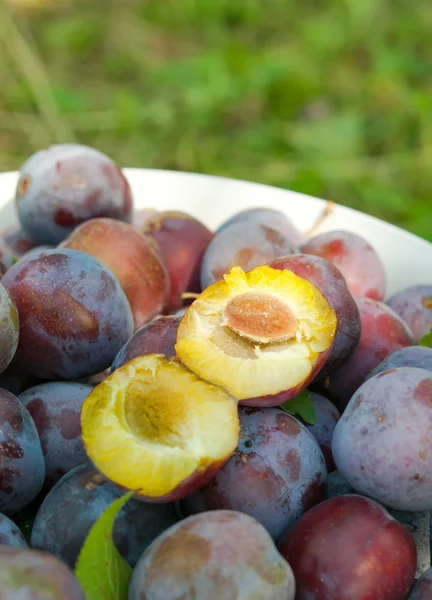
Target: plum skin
pixel 381 444
pixel 131 258
pixel 337 550
pixel 219 555
pixel 22 466
pixel 422 589
pixel 414 306
pixel 74 316
pixel 332 285
pixel 327 415
pixel 79 498
pixel 30 575
pixel 56 408
pixel 383 332
pixel 10 534
pixel 156 337
pixel 64 185
pixel 409 356
pixel 9 328
pixel 277 472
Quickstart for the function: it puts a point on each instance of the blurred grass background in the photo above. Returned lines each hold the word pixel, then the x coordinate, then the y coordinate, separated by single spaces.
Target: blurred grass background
pixel 328 97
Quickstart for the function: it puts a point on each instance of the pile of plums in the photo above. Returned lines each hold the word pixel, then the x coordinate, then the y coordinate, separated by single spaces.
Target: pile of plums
pixel 139 350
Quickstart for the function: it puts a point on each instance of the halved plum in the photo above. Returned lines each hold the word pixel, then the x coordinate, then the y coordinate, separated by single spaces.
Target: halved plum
pixel 155 428
pixel 261 335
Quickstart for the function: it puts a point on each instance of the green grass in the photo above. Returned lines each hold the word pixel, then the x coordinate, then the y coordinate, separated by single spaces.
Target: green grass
pixel 332 98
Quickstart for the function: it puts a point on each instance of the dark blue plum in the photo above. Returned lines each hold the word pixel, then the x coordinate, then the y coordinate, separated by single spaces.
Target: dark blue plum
pixel 10 534
pixel 156 337
pixel 22 466
pixel 414 306
pixel 410 356
pixel 76 502
pixel 277 472
pixel 74 316
pixel 327 415
pixel 245 244
pixel 56 409
pixel 9 328
pixel 266 216
pixel 66 184
pixel 382 444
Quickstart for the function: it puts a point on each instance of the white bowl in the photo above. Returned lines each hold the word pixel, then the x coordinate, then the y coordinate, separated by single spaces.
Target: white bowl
pixel 407 258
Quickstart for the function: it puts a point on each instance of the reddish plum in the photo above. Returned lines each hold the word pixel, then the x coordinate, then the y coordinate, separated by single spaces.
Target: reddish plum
pixel 56 409
pixel 130 256
pixel 332 285
pixel 350 548
pixel 414 305
pixel 182 241
pixel 383 332
pixel 218 555
pixel 156 337
pixel 9 328
pixel 66 184
pixel 22 466
pixel 355 258
pixel 74 316
pixel 245 244
pixel 327 415
pixel 381 444
pixel 76 502
pixel 277 472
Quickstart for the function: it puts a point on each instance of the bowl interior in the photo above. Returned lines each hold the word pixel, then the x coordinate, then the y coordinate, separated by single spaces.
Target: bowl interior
pixel 407 258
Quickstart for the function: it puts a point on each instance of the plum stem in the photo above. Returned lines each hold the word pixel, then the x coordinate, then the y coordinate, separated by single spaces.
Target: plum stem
pixel 328 209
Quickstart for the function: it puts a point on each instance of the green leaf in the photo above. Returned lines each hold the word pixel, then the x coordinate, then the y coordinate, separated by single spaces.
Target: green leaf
pixel 302 406
pixel 101 571
pixel 426 340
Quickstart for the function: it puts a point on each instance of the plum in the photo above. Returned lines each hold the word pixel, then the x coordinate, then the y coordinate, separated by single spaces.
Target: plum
pixel 383 332
pixel 74 316
pixel 31 575
pixel 9 328
pixel 165 432
pixel 422 589
pixel 244 244
pixel 218 555
pixel 355 258
pixel 381 444
pixel 64 185
pixel 409 356
pixel 350 548
pixel 10 534
pixel 14 243
pixel 263 335
pixel 414 305
pixel 22 466
pixel 332 285
pixel 182 241
pixel 130 256
pixel 269 217
pixel 76 502
pixel 327 415
pixel 156 337
pixel 277 472
pixel 56 408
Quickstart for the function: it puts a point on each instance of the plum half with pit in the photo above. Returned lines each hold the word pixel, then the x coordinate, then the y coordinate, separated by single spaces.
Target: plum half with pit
pixel 74 316
pixel 22 466
pixel 71 508
pixel 155 428
pixel 56 408
pixel 382 443
pixel 64 185
pixel 219 555
pixel 330 282
pixel 383 332
pixel 9 328
pixel 355 258
pixel 414 306
pixel 262 335
pixel 132 259
pixel 349 548
pixel 33 575
pixel 276 473
pixel 182 241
